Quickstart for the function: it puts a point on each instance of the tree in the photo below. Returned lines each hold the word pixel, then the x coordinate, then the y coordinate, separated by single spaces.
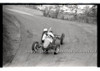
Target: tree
pixel 94 11
pixel 74 9
pixel 57 10
pixel 86 10
pixel 47 10
pixel 90 13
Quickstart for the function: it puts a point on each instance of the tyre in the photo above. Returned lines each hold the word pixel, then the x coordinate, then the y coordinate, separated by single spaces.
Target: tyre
pixel 57 49
pixel 35 47
pixel 62 38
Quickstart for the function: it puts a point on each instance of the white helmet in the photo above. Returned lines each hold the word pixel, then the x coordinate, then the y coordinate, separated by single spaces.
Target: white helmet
pixel 45 29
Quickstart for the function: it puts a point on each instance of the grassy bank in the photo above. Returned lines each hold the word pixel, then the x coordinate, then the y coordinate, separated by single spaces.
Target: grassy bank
pixel 11 37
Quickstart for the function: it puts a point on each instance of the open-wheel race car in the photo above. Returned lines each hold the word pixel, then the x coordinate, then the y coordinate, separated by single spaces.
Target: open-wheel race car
pixel 52 46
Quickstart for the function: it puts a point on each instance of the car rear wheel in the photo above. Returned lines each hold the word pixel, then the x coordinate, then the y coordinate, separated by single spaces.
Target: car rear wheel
pixel 62 39
pixel 57 49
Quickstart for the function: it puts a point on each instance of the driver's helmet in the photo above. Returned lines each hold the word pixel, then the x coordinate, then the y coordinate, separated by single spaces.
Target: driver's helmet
pixel 45 29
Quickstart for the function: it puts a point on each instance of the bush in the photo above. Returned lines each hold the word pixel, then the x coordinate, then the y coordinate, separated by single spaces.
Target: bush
pixel 60 16
pixel 86 19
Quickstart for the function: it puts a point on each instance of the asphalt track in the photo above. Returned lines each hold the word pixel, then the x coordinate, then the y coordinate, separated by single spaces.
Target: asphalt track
pixel 80 43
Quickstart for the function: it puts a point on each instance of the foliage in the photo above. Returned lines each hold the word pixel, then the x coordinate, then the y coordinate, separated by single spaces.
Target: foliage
pixel 56 11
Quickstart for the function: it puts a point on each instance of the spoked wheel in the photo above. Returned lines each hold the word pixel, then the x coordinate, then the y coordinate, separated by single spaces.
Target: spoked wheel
pixel 35 47
pixel 57 49
pixel 62 38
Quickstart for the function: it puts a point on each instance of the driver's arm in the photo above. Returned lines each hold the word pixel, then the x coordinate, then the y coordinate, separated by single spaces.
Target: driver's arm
pixel 51 34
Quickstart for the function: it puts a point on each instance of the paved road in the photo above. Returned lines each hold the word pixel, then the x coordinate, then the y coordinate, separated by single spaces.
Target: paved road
pixel 80 48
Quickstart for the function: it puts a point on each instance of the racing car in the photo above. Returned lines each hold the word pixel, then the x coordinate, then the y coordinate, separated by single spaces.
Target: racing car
pixel 52 46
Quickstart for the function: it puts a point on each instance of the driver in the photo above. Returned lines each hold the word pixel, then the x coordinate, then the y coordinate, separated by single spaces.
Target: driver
pixel 44 34
pixel 47 34
pixel 50 35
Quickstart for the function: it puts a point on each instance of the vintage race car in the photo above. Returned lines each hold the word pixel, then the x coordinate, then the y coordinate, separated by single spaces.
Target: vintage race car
pixel 52 46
